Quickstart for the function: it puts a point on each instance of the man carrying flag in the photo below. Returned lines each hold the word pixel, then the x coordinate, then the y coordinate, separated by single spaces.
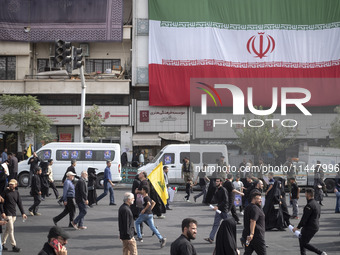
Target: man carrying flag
pixel 158 191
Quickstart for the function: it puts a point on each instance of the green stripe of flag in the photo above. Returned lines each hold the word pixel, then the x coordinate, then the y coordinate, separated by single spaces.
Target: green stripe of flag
pixel 245 12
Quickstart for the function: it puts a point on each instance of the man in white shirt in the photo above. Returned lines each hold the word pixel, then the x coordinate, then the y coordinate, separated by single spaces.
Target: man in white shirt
pixel 141 158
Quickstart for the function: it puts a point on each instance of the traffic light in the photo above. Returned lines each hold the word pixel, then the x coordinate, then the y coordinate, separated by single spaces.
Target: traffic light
pixel 63 52
pixel 86 128
pixel 77 57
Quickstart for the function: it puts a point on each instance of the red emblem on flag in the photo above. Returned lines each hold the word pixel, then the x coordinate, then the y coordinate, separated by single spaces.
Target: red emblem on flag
pixel 260 45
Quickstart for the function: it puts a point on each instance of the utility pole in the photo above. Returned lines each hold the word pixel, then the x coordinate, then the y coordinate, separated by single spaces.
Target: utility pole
pixel 83 100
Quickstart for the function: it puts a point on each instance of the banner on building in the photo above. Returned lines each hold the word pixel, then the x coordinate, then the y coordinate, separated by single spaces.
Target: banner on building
pixel 241 39
pixel 70 20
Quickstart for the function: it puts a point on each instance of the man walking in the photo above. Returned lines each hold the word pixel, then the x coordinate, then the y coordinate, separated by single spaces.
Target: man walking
pixel 228 184
pixel 108 184
pixel 166 180
pixel 36 192
pixel 254 226
pixel 50 178
pixel 81 200
pixel 147 217
pixel 34 163
pixel 309 224
pixel 221 197
pixel 68 195
pixel 182 245
pixel 8 211
pixel 13 167
pixel 126 225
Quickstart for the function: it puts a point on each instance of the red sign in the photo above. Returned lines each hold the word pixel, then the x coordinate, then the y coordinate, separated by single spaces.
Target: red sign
pixel 144 116
pixel 65 137
pixel 208 126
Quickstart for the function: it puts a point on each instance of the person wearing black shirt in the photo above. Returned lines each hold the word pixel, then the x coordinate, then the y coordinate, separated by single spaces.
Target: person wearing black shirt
pixel 182 245
pixel 221 198
pixel 294 197
pixel 55 235
pixel 81 200
pixel 202 181
pixel 92 191
pixel 228 184
pixel 36 192
pixel 147 216
pixel 309 224
pixel 34 163
pixel 8 211
pixel 126 225
pixel 2 222
pixel 254 227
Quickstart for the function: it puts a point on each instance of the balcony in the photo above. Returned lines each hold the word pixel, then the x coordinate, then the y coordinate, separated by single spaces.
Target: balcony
pixel 99 84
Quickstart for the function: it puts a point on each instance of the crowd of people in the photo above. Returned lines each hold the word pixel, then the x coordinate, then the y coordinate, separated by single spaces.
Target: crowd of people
pixel 143 204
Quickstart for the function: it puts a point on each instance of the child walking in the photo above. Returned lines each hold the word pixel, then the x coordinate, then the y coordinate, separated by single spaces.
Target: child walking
pixel 188 188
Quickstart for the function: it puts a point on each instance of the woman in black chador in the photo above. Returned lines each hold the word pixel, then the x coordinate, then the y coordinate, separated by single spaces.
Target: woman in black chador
pixel 273 209
pixel 226 238
pixel 92 192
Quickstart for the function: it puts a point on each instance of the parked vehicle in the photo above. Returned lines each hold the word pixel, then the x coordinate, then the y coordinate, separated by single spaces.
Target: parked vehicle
pixel 86 154
pixel 306 165
pixel 173 155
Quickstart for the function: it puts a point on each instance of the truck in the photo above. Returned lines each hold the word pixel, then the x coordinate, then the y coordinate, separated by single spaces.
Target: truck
pixel 305 166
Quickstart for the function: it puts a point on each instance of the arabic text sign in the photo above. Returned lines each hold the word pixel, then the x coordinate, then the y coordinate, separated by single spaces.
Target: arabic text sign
pixel 161 119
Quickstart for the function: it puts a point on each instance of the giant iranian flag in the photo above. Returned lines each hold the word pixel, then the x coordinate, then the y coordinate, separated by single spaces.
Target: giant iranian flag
pixel 242 39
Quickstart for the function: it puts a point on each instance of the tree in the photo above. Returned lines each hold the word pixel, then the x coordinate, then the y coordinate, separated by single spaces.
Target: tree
pixel 335 129
pixel 24 114
pixel 268 138
pixel 94 120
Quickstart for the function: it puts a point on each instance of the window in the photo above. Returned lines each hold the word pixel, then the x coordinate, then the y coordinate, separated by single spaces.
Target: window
pixel 103 155
pixel 100 65
pixel 63 155
pixel 44 155
pixel 211 157
pixel 194 157
pixel 7 67
pixel 85 155
pixel 168 158
pixel 44 64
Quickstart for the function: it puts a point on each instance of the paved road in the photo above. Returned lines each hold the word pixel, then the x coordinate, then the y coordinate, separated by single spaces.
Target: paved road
pixel 101 237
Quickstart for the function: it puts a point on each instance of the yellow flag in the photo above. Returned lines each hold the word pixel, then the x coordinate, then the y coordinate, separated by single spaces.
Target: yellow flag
pixel 29 151
pixel 156 178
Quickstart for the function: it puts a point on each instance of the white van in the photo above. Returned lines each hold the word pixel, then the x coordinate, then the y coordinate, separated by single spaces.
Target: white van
pixel 86 154
pixel 172 155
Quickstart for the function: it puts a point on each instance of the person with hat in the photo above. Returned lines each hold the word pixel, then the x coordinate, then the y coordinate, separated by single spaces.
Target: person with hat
pixel 8 211
pixel 72 169
pixel 55 245
pixel 108 184
pixel 68 196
